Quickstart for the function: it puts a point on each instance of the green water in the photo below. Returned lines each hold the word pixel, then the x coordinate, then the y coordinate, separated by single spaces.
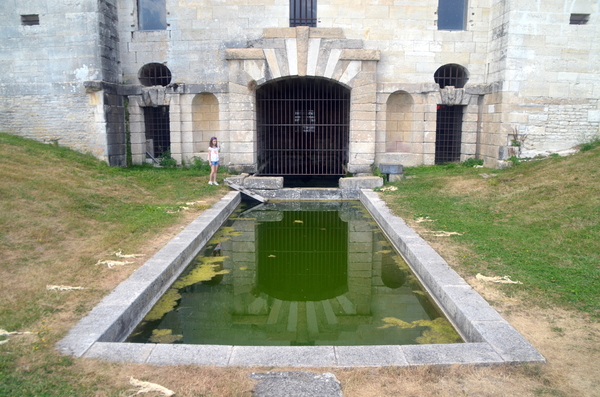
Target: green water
pixel 294 273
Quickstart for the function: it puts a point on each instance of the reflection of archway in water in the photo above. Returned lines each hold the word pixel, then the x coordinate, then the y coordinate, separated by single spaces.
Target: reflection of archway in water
pixel 391 275
pixel 254 304
pixel 304 257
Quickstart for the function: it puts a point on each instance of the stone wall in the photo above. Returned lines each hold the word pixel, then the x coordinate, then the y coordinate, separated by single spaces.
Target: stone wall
pixel 532 76
pixel 42 92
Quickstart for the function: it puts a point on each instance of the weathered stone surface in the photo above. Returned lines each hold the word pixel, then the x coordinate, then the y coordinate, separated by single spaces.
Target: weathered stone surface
pixel 360 55
pixel 263 182
pixel 526 90
pixel 298 383
pixel 361 182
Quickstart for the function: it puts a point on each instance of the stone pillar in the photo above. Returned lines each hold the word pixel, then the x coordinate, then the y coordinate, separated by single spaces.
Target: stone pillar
pixel 137 130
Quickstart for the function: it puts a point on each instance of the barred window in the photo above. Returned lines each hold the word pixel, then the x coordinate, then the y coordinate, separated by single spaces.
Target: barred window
pixel 152 14
pixel 451 75
pixel 452 14
pixel 154 74
pixel 303 13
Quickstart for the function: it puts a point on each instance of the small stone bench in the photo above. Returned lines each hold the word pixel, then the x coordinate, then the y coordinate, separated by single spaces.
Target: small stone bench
pixel 394 171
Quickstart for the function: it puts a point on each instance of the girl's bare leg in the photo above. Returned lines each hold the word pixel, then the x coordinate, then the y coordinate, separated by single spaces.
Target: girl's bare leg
pixel 213 173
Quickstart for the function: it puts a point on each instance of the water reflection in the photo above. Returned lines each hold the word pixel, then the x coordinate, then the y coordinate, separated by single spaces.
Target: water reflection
pixel 318 273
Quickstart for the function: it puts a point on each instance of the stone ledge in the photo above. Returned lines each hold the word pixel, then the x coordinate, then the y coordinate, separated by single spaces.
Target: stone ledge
pixel 263 182
pixel 360 182
pixel 314 33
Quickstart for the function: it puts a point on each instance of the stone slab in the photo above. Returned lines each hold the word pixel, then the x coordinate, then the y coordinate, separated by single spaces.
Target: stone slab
pixel 508 342
pixel 297 383
pixel 120 352
pixel 264 182
pixel 361 182
pixel 165 354
pixel 309 194
pixel 283 356
pixel 462 353
pixel 388 168
pixel 370 356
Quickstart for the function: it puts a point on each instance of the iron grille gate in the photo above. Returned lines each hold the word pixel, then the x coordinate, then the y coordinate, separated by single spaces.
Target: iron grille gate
pixel 448 134
pixel 303 127
pixel 158 131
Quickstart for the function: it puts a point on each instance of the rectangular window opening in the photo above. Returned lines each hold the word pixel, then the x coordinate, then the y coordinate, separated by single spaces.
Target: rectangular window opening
pixel 452 14
pixel 303 13
pixel 30 19
pixel 152 14
pixel 579 19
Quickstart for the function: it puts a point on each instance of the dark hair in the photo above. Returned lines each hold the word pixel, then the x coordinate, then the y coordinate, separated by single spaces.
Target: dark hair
pixel 211 141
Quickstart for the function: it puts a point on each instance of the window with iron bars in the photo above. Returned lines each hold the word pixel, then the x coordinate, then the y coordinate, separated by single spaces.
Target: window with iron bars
pixel 153 74
pixel 303 13
pixel 451 75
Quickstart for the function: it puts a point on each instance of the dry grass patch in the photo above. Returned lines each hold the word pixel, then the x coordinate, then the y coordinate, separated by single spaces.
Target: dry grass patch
pixel 83 212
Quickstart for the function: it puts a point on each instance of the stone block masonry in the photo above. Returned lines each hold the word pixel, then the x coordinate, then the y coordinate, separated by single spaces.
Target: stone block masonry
pixel 529 70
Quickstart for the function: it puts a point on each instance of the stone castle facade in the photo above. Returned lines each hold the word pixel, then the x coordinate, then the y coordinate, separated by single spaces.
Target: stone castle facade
pixel 427 82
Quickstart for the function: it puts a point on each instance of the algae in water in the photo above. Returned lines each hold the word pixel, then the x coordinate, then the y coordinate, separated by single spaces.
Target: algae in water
pixel 164 336
pixel 169 300
pixel 439 330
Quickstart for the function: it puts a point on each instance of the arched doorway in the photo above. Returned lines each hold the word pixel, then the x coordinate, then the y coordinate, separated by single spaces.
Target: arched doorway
pixel 303 127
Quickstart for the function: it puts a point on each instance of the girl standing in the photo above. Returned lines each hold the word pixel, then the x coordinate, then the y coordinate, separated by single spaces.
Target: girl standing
pixel 213 160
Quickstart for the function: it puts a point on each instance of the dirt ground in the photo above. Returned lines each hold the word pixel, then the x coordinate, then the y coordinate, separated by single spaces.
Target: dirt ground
pixel 569 341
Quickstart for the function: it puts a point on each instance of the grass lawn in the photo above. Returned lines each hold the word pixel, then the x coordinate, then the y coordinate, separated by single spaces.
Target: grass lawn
pixel 63 212
pixel 538 222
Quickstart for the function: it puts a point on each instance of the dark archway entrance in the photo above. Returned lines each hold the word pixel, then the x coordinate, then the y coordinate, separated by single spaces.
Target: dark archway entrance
pixel 303 127
pixel 448 134
pixel 158 130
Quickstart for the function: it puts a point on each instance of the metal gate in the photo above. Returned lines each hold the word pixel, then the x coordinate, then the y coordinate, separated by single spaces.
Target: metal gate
pixel 303 127
pixel 158 131
pixel 448 134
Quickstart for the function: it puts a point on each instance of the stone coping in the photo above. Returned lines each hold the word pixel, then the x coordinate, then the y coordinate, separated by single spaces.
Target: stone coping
pixel 489 338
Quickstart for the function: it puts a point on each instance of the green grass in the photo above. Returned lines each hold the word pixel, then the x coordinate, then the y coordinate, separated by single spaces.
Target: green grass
pixel 60 212
pixel 538 222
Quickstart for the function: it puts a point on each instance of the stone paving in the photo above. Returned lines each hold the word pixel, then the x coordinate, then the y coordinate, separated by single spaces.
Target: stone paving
pixel 296 384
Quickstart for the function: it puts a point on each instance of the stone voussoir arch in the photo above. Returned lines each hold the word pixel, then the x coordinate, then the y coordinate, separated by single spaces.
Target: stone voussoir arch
pixel 303 51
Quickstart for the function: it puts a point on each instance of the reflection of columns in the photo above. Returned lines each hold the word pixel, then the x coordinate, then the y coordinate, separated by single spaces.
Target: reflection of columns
pixel 302 326
pixel 360 257
pixel 243 258
pixel 377 255
pixel 302 322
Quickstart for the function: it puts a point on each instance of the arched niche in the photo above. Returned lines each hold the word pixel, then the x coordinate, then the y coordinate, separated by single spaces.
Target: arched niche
pixel 205 118
pixel 399 118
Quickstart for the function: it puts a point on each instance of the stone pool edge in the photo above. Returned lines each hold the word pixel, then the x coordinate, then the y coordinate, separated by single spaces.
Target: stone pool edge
pixel 490 339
